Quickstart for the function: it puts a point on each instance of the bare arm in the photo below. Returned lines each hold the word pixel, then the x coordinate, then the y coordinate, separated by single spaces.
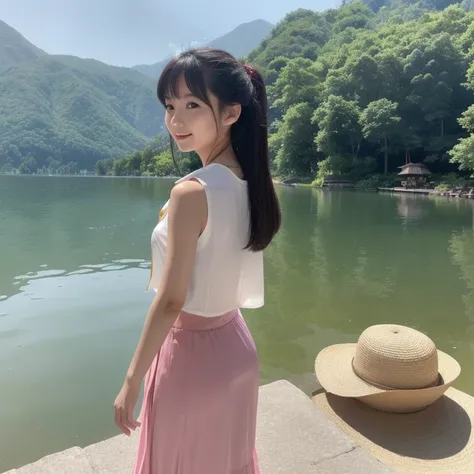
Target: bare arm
pixel 187 215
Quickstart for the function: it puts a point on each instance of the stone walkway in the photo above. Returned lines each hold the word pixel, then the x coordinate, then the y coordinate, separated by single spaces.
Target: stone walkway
pixel 293 437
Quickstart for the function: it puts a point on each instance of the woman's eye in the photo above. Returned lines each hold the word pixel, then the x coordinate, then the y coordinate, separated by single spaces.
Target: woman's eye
pixel 192 105
pixel 168 107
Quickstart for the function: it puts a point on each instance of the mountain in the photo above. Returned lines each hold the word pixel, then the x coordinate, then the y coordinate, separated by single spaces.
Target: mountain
pixel 468 5
pixel 14 48
pixel 239 42
pixel 65 113
pixel 59 109
pixel 243 39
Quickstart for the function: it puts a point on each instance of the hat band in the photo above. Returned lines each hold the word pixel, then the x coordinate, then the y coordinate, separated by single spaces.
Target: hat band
pixel 386 387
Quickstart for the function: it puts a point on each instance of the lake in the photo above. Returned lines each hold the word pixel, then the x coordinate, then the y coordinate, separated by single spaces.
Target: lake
pixel 75 264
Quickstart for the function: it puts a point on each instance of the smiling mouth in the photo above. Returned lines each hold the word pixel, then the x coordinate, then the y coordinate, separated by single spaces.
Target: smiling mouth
pixel 182 136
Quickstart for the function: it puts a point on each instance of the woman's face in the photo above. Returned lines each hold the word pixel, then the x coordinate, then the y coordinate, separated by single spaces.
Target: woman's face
pixel 192 123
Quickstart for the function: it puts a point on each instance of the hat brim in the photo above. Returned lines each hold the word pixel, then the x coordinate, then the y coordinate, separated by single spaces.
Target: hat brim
pixel 333 367
pixel 437 439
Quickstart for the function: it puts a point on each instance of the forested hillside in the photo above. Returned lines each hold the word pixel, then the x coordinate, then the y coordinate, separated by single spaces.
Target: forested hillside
pixel 361 89
pixel 62 113
pixel 154 160
pixel 65 113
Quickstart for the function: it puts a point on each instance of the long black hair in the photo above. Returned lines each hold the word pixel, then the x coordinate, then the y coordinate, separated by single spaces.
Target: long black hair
pixel 214 70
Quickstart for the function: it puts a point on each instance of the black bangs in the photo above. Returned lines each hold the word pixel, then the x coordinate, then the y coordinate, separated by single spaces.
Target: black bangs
pixel 191 69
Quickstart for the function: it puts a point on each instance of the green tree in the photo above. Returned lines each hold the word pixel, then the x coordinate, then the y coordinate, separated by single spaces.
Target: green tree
pixel 294 142
pixel 353 15
pixel 437 70
pixel 119 168
pixel 300 34
pixel 188 162
pixel 379 123
pixel 297 83
pixel 163 164
pixel 339 128
pixel 28 165
pixel 145 165
pixel 376 5
pixel 135 162
pixel 100 168
pixel 463 152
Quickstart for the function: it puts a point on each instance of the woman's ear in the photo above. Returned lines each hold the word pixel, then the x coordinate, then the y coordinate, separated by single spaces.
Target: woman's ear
pixel 231 114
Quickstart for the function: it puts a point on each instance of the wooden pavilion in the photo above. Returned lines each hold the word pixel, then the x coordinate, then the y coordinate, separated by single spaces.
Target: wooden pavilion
pixel 415 174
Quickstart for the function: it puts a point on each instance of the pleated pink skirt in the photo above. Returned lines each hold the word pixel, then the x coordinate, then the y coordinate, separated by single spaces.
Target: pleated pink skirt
pixel 200 401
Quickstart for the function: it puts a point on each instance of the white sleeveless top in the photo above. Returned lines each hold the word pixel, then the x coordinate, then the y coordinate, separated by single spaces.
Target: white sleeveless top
pixel 225 276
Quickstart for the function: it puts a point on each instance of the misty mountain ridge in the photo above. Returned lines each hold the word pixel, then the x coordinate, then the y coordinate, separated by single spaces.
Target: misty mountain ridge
pixel 15 48
pixel 239 42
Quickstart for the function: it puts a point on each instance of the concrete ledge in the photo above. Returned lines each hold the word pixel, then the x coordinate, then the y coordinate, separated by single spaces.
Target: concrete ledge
pixel 113 456
pixel 356 460
pixel 293 437
pixel 70 461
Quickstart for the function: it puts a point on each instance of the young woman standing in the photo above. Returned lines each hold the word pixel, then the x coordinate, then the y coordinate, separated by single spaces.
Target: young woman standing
pixel 196 354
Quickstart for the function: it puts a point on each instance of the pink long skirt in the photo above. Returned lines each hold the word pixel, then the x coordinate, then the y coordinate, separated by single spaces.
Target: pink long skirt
pixel 200 401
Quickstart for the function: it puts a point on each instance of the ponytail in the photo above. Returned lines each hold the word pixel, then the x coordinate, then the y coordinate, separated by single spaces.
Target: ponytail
pixel 249 138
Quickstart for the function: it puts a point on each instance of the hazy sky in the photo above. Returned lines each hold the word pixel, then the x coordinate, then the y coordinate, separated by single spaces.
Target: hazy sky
pixel 129 32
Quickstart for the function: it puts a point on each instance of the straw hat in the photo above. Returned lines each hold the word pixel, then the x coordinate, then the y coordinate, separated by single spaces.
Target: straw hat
pixel 392 368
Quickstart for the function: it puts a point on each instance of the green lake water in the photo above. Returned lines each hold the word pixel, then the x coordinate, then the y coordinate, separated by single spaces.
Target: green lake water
pixel 74 265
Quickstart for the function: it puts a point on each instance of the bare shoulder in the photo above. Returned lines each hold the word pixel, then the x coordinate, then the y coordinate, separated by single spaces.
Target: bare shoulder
pixel 189 195
pixel 188 188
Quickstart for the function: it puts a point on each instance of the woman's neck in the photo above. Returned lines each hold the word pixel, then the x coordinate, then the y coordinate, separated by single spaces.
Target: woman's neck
pixel 224 156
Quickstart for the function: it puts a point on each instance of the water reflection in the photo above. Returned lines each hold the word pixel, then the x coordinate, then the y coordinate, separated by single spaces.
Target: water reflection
pixel 410 206
pixel 462 249
pixel 22 281
pixel 64 223
pixel 345 260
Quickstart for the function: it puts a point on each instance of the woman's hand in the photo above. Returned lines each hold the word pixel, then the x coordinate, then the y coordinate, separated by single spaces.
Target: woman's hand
pixel 124 406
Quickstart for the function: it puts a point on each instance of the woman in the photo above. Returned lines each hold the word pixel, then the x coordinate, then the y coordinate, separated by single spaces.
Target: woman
pixel 196 354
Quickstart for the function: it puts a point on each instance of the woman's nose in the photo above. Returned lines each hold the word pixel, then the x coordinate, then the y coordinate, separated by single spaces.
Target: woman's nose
pixel 176 120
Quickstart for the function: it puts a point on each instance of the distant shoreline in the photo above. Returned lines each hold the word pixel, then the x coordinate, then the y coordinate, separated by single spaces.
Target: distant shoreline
pixel 83 176
pixel 275 180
